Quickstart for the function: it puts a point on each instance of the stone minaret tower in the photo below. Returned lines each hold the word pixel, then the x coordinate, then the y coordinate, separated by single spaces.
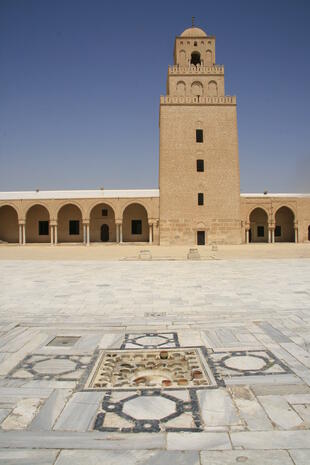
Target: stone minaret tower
pixel 199 169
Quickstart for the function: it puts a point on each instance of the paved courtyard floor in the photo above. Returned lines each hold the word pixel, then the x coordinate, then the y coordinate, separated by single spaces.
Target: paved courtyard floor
pixel 155 362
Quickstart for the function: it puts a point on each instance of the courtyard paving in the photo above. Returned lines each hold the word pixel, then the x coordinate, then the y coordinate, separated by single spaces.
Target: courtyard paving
pixel 153 362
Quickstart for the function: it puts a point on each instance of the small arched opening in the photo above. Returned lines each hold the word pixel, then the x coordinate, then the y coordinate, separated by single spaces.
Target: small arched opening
pixel 309 232
pixel 70 224
pixel 258 225
pixel 8 224
pixel 284 230
pixel 135 223
pixel 102 224
pixel 209 58
pixel 197 89
pixel 37 224
pixel 181 88
pixel 212 89
pixel 195 58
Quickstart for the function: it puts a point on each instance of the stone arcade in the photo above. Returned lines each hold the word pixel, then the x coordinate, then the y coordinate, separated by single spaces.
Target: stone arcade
pixel 198 200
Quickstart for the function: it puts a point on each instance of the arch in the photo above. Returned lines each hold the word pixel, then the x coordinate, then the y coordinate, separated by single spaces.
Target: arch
pixel 197 88
pixel 212 89
pixel 284 222
pixel 195 58
pixel 182 57
pixel 69 217
pixel 37 223
pixel 258 220
pixel 135 223
pixel 8 224
pixel 68 202
pixel 181 88
pixel 209 61
pixel 100 214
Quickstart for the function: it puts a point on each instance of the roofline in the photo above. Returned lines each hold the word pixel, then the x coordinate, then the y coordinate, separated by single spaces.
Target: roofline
pixel 79 194
pixel 269 195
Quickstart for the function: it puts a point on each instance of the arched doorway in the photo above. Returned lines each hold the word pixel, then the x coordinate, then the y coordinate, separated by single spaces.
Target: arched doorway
pixel 284 230
pixel 135 224
pixel 104 233
pixel 70 224
pixel 8 224
pixel 102 215
pixel 37 224
pixel 195 58
pixel 258 225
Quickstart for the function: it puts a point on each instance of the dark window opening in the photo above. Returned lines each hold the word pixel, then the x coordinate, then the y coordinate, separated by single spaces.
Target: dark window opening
pixel 260 231
pixel 136 227
pixel 195 58
pixel 43 228
pixel 200 198
pixel 195 44
pixel 200 165
pixel 277 231
pixel 74 227
pixel 201 238
pixel 199 135
pixel 309 233
pixel 104 212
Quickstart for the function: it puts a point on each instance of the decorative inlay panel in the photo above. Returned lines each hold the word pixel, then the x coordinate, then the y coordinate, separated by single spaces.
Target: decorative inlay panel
pixel 135 369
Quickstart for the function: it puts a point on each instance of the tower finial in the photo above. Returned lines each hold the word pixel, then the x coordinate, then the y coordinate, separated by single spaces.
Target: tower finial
pixel 193 21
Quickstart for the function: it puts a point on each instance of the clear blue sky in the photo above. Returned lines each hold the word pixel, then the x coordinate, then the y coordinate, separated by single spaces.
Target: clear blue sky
pixel 80 82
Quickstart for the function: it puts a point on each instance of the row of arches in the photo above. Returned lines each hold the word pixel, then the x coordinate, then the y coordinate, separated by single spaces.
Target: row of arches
pixel 70 226
pixel 196 58
pixel 197 89
pixel 283 229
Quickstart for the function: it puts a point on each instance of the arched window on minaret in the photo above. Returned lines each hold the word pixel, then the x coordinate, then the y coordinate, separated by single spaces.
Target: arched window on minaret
pixel 197 89
pixel 195 58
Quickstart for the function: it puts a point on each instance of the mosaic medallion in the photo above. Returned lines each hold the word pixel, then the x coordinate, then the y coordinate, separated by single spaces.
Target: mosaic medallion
pixel 135 369
pixel 52 367
pixel 249 362
pixel 150 341
pixel 149 411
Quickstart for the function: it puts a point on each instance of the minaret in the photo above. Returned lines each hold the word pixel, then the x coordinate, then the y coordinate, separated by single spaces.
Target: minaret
pixel 199 169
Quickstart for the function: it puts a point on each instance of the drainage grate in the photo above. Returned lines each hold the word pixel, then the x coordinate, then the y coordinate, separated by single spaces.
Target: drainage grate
pixel 63 341
pixel 132 369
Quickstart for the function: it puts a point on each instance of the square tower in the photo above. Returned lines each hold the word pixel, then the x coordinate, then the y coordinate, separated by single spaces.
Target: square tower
pixel 199 177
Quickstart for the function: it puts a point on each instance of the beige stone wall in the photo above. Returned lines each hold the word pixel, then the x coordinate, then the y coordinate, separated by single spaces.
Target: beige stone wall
pixel 97 220
pixel 135 212
pixel 180 183
pixel 196 84
pixel 34 215
pixel 67 213
pixel 8 224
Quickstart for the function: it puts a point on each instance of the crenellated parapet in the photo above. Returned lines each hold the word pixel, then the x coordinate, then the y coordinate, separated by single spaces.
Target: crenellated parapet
pixel 196 70
pixel 198 100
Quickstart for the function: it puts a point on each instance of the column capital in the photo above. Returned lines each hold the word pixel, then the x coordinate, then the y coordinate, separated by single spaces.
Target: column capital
pixel 21 222
pixel 53 222
pixel 118 221
pixel 85 221
pixel 295 224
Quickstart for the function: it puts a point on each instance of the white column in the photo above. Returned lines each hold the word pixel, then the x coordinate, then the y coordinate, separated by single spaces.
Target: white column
pixel 247 235
pixel 272 235
pixel 87 234
pixel 117 233
pixel 55 235
pixel 52 234
pixel 84 234
pixel 20 234
pixel 269 236
pixel 296 235
pixel 24 234
pixel 121 233
pixel 150 233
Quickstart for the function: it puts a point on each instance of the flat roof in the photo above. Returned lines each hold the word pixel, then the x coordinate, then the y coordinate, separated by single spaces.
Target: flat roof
pixel 274 195
pixel 79 194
